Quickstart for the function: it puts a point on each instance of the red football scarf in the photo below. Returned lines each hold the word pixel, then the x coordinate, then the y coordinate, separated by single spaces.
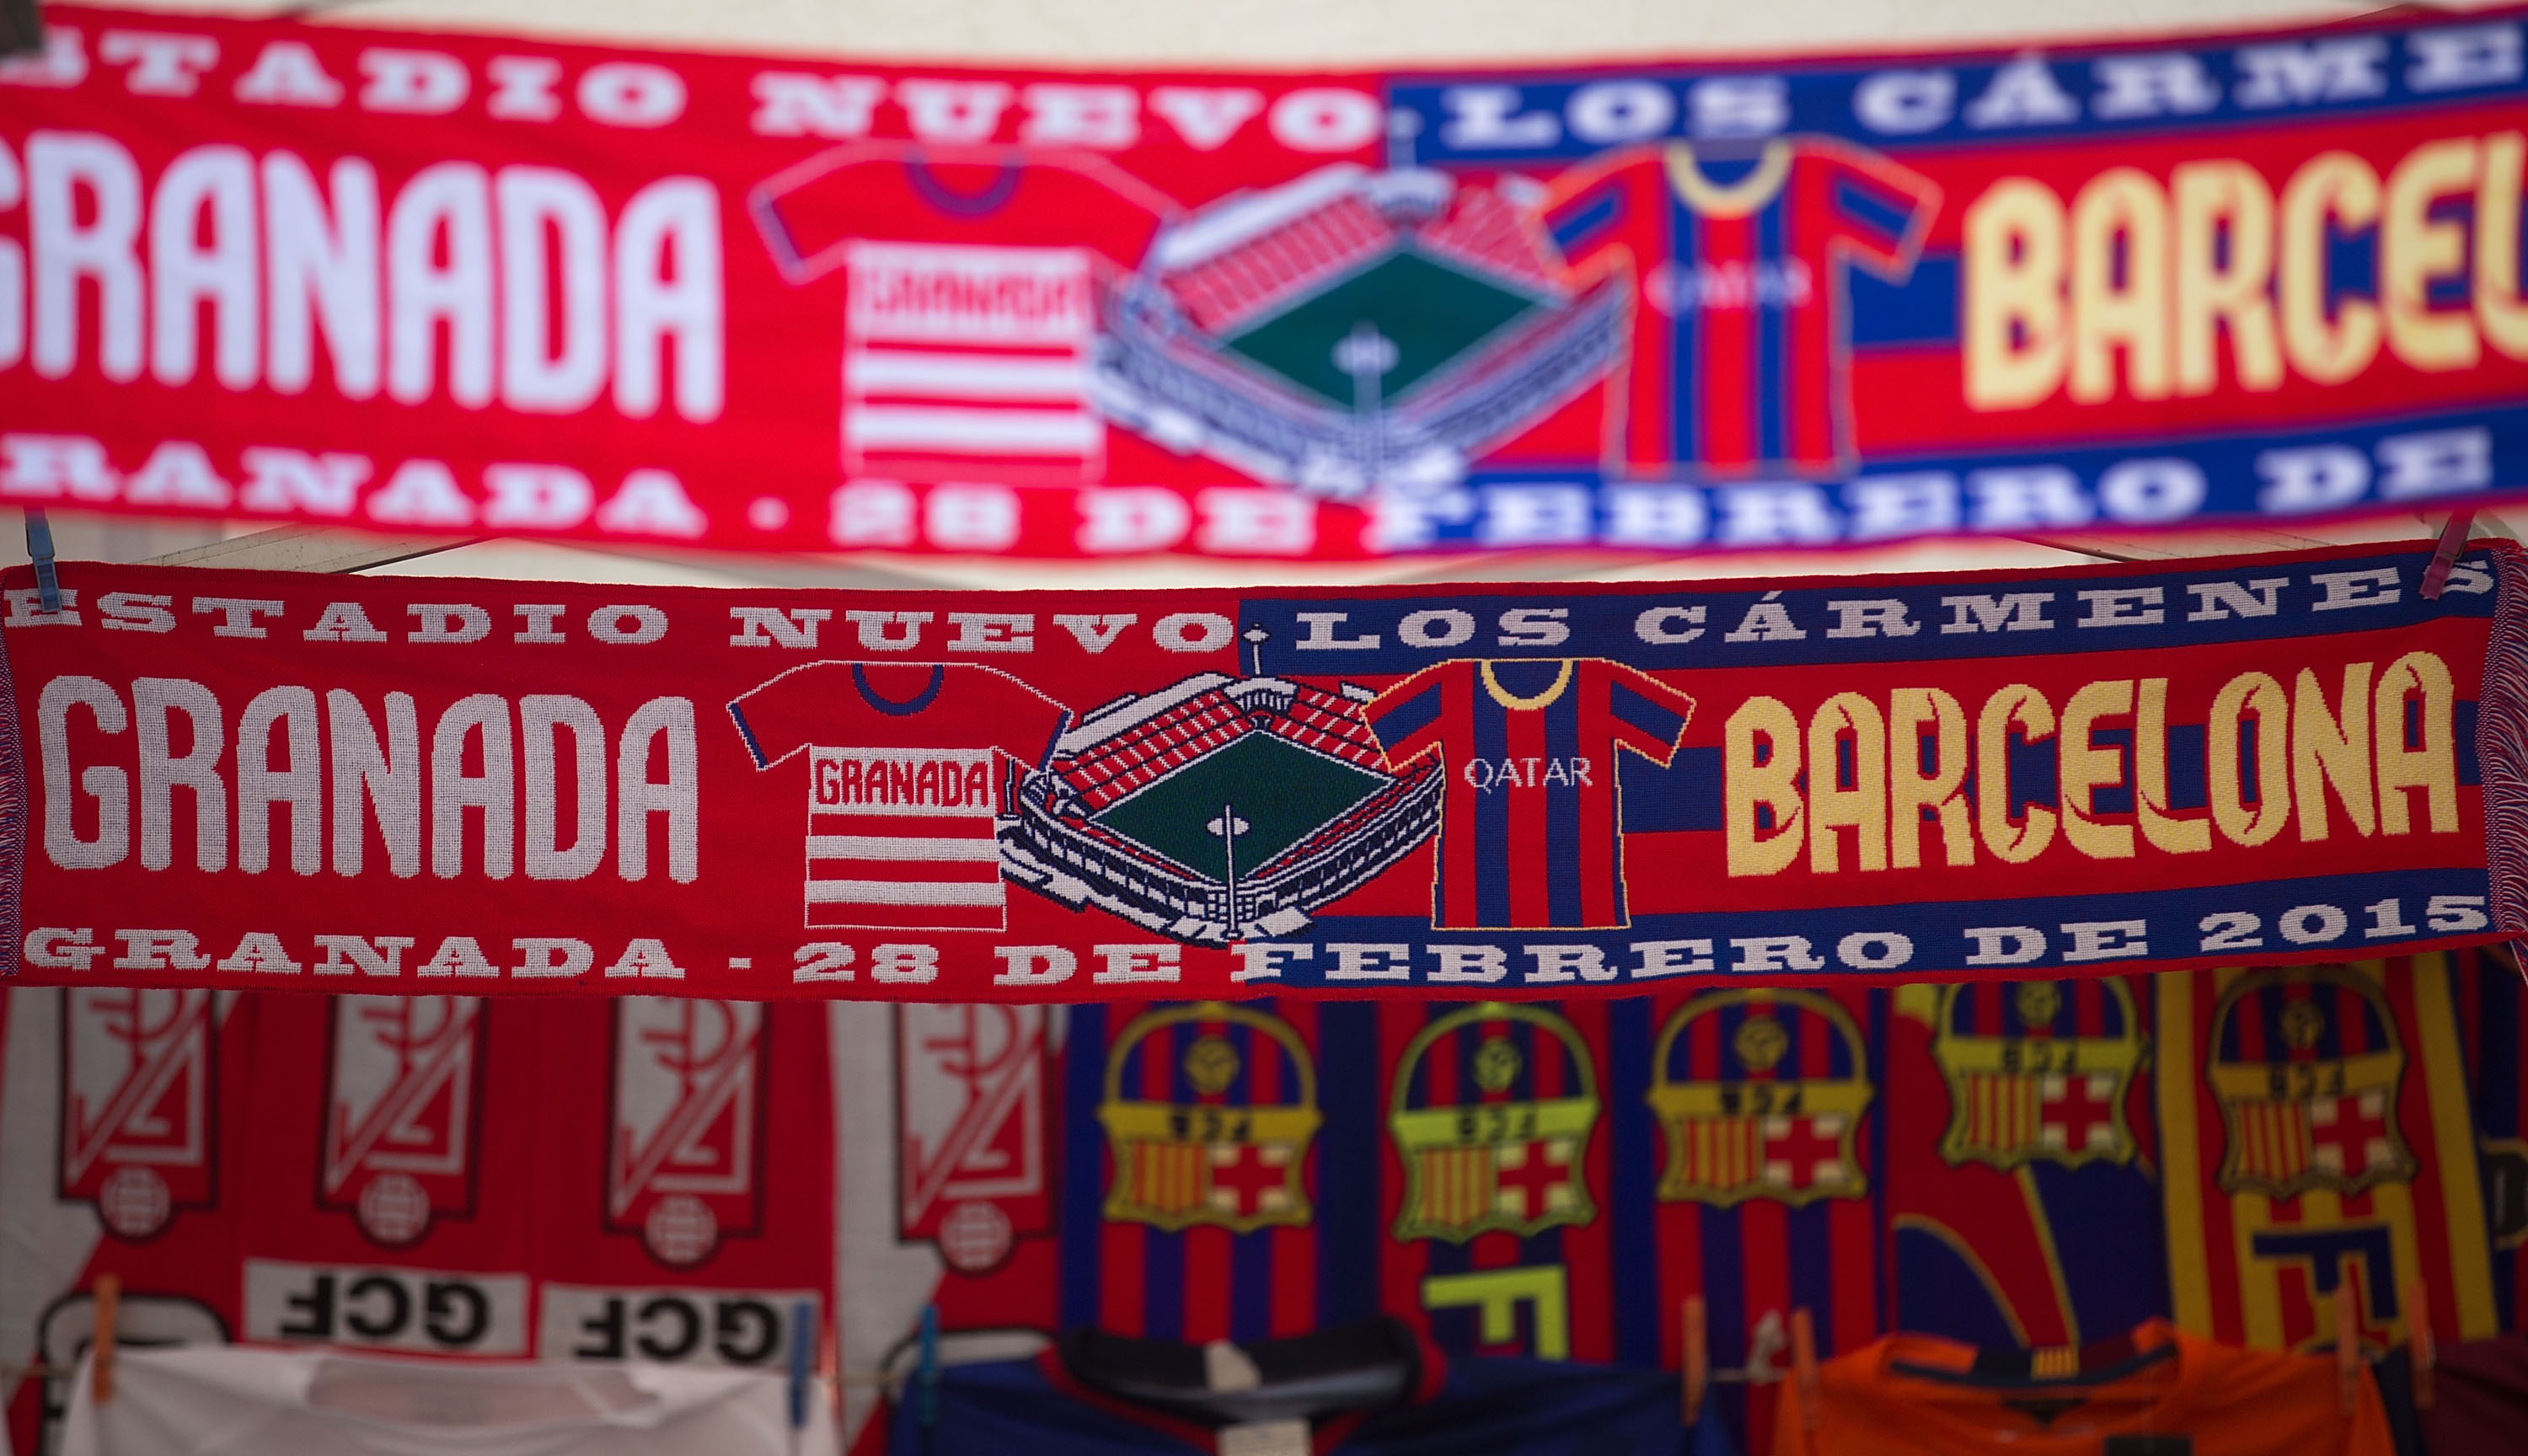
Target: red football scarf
pixel 451 787
pixel 440 284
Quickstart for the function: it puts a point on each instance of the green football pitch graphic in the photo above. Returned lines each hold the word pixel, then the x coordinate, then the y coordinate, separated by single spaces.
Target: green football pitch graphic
pixel 1282 791
pixel 1431 313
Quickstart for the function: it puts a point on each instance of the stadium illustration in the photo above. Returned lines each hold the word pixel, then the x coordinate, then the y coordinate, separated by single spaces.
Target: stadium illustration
pixel 1217 810
pixel 1351 331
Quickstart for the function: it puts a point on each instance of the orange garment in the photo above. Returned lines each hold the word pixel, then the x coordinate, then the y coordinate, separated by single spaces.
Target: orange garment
pixel 1916 1395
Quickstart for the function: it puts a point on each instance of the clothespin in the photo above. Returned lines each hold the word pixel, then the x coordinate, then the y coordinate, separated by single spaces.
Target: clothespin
pixel 803 1344
pixel 829 1360
pixel 2348 1348
pixel 2418 1344
pixel 1694 1351
pixel 39 550
pixel 927 1400
pixel 100 1350
pixel 2445 556
pixel 1804 1368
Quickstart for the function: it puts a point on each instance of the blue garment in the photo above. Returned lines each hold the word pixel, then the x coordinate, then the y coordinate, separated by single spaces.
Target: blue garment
pixel 1485 1407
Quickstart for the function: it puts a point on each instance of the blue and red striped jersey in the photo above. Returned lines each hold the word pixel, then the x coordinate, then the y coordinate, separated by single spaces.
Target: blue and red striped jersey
pixel 1764 1191
pixel 1530 829
pixel 2023 1207
pixel 2493 1020
pixel 1512 1407
pixel 1204 1195
pixel 1740 337
pixel 1539 1180
pixel 1493 1184
pixel 2316 1129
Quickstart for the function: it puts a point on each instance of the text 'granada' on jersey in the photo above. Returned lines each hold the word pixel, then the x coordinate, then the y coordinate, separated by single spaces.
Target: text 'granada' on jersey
pixel 901 791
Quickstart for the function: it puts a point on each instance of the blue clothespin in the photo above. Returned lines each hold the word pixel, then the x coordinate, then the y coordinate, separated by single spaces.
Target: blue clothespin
pixel 39 550
pixel 927 1403
pixel 802 1334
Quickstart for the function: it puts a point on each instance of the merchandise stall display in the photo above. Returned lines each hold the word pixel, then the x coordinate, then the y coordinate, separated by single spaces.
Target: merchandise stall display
pixel 1190 1179
pixel 431 283
pixel 2072 1009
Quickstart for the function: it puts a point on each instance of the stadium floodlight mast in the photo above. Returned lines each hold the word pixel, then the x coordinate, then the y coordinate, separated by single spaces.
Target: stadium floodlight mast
pixel 1256 637
pixel 1368 356
pixel 1229 826
pixel 22 27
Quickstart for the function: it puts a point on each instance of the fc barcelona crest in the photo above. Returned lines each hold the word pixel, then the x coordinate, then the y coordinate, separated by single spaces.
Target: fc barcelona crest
pixel 2305 1062
pixel 2037 1072
pixel 1760 1093
pixel 136 1101
pixel 1209 1111
pixel 1491 1111
pixel 401 1112
pixel 681 1166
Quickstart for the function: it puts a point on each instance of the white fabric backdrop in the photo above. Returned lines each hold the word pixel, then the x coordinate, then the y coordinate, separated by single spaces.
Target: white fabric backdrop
pixel 210 1401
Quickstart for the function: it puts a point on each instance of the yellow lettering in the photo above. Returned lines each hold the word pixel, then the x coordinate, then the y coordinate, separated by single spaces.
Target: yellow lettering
pixel 2251 693
pixel 1910 791
pixel 2415 248
pixel 2331 746
pixel 2024 708
pixel 1861 809
pixel 1751 784
pixel 2087 769
pixel 2430 765
pixel 1495 1294
pixel 2150 776
pixel 2214 199
pixel 2327 344
pixel 2498 305
pixel 2119 217
pixel 2015 340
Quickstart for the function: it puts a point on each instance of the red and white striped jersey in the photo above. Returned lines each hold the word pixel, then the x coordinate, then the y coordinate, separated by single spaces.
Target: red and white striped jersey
pixel 970 300
pixel 902 784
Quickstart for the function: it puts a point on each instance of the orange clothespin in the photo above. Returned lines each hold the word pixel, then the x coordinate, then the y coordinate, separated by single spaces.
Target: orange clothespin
pixel 100 1369
pixel 1803 1368
pixel 2418 1344
pixel 1694 1350
pixel 2347 1347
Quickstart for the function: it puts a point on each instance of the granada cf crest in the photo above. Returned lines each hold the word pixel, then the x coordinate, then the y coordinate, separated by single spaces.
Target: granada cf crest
pixel 402 1111
pixel 1491 1111
pixel 2037 1072
pixel 682 1164
pixel 137 1104
pixel 2304 1062
pixel 1209 1111
pixel 1760 1093
pixel 970 1130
